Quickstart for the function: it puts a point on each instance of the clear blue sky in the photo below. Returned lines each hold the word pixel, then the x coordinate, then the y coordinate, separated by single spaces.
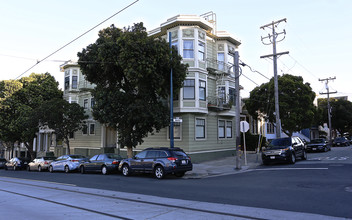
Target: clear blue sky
pixel 319 34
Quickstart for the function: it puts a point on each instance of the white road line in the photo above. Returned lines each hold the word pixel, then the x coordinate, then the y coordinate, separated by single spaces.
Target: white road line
pixel 42 181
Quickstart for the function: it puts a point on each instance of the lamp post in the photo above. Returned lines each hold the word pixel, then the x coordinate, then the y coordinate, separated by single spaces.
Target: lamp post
pixel 171 101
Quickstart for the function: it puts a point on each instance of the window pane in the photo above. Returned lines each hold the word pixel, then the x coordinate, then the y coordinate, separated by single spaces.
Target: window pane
pixel 201 51
pixel 188 89
pixel 202 90
pixel 92 129
pixel 67 82
pixel 188 49
pixel 221 60
pixel 200 128
pixel 221 129
pixel 74 82
pixel 229 129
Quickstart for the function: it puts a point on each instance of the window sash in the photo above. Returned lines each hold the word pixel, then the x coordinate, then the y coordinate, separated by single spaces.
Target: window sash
pixel 74 82
pixel 201 51
pixel 188 51
pixel 221 129
pixel 202 90
pixel 200 128
pixel 229 129
pixel 91 128
pixel 188 89
pixel 221 61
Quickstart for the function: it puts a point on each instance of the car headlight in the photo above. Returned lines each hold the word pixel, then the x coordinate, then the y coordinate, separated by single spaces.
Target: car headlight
pixel 283 151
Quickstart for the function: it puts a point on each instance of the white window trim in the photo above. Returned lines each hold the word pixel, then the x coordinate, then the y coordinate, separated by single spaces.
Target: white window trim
pixel 205 129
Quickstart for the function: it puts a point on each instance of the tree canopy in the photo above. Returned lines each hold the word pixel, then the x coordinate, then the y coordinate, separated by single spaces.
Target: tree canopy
pixel 295 101
pixel 131 72
pixel 341 114
pixel 19 106
pixel 64 117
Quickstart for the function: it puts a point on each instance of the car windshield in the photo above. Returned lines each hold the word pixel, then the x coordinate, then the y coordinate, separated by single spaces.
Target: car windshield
pixel 340 139
pixel 180 153
pixel 280 143
pixel 317 141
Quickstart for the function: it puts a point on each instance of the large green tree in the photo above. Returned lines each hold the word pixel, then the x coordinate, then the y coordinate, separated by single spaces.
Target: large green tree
pixel 131 72
pixel 63 117
pixel 295 101
pixel 341 114
pixel 20 108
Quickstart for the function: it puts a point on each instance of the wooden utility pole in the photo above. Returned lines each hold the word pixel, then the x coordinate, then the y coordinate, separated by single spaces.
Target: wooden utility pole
pixel 329 108
pixel 273 40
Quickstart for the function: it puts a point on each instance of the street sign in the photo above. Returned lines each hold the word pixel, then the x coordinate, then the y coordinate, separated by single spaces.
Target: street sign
pixel 244 126
pixel 177 119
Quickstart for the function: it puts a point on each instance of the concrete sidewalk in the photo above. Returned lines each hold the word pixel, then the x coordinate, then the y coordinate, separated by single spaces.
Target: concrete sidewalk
pixel 223 166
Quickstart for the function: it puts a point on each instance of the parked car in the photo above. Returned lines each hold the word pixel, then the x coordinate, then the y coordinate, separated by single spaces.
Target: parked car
pixel 284 150
pixel 340 141
pixel 3 161
pixel 159 161
pixel 17 163
pixel 104 163
pixel 40 163
pixel 319 144
pixel 67 163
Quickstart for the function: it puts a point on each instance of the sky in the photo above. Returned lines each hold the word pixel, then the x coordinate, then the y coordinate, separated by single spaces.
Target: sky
pixel 318 35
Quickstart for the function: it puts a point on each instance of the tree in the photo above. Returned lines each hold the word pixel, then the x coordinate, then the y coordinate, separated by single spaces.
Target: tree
pixel 65 118
pixel 341 114
pixel 20 108
pixel 131 72
pixel 295 100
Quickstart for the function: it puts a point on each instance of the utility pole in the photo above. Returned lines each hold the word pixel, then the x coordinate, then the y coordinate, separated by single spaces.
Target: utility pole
pixel 329 109
pixel 273 40
pixel 171 102
pixel 237 110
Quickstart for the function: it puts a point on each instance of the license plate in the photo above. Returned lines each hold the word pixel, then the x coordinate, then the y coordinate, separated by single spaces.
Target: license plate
pixel 183 162
pixel 314 149
pixel 272 157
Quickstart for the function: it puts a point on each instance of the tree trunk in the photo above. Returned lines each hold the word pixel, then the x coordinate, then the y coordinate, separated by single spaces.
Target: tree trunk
pixel 68 151
pixel 30 150
pixel 129 152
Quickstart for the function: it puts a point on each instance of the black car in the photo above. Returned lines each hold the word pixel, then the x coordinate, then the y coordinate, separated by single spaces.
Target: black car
pixel 3 161
pixel 104 163
pixel 284 150
pixel 319 144
pixel 340 141
pixel 159 161
pixel 17 163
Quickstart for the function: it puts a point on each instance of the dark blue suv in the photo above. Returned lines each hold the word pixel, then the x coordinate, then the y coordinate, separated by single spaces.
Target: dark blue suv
pixel 158 161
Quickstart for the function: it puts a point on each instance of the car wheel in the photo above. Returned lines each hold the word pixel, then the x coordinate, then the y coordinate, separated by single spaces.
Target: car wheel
pixel 126 170
pixel 104 170
pixel 326 149
pixel 82 169
pixel 159 172
pixel 180 174
pixel 51 169
pixel 5 167
pixel 304 155
pixel 40 169
pixel 293 158
pixel 15 167
pixel 28 168
pixel 67 169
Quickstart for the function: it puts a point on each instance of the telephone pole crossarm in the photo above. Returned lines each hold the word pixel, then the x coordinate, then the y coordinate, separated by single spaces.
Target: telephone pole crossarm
pixel 277 54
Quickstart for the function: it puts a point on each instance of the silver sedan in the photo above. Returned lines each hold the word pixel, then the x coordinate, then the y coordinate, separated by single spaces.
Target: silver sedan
pixel 40 163
pixel 67 163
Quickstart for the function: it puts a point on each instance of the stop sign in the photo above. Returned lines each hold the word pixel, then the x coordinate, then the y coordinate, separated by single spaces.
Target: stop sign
pixel 244 126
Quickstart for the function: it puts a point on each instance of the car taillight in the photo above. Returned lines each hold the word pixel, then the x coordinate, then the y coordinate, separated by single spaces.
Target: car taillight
pixel 46 162
pixel 115 162
pixel 172 159
pixel 74 160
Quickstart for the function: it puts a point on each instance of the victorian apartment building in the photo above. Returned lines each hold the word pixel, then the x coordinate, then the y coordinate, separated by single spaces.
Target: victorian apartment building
pixel 204 107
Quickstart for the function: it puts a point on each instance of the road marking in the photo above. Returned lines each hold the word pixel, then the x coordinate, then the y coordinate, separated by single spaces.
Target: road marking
pixel 293 168
pixel 329 158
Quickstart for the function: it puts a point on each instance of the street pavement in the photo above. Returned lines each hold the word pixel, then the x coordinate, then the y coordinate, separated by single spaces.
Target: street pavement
pixel 224 166
pixel 252 160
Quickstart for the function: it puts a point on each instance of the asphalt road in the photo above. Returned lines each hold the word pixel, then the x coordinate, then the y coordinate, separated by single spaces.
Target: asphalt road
pixel 320 185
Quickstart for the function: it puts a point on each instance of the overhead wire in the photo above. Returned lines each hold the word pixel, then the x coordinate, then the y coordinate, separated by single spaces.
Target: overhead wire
pixel 39 61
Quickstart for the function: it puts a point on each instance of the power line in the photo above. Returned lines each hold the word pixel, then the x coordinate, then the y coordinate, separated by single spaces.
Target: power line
pixel 253 70
pixel 39 61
